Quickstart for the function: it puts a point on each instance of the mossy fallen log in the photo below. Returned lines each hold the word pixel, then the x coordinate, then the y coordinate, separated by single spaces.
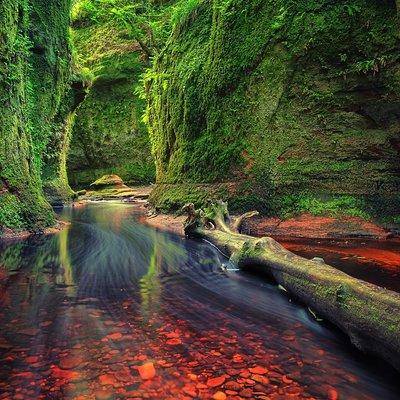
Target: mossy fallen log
pixel 368 314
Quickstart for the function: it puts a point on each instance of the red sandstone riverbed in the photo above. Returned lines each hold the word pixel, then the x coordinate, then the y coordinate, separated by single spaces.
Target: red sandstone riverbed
pixel 111 309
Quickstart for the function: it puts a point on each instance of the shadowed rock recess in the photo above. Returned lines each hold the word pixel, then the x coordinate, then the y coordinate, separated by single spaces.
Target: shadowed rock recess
pixel 286 107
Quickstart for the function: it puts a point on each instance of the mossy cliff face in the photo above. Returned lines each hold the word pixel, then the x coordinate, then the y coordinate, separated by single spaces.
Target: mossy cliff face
pixel 55 95
pixel 34 85
pixel 108 135
pixel 296 103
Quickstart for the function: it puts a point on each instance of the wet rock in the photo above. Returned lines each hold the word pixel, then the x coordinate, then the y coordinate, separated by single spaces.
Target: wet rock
pixel 124 375
pixel 172 335
pixel 108 379
pixel 219 396
pixel 201 386
pixel 246 393
pixel 232 385
pixel 114 336
pixel 147 371
pixel 4 344
pixel 237 358
pixel 174 342
pixel 32 359
pixel 214 382
pixel 258 370
pixel 262 379
pixel 71 361
pixel 293 391
pixel 104 395
pixel 332 394
pixel 244 374
pixel 190 390
pixel 259 388
pixel 286 379
pixel 233 372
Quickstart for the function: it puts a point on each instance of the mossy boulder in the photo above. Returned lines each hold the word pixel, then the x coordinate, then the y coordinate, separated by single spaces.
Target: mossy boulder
pixel 275 96
pixel 108 181
pixel 110 187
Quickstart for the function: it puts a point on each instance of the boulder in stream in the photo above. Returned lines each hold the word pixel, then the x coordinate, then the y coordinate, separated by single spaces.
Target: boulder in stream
pixel 110 187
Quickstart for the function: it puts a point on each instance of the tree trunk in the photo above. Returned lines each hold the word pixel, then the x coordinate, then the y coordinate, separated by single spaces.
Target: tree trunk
pixel 368 314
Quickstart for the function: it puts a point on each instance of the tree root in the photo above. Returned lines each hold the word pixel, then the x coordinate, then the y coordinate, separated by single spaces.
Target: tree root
pixel 368 314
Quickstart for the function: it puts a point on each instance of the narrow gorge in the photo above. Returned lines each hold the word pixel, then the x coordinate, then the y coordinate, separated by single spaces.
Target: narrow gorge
pixel 125 124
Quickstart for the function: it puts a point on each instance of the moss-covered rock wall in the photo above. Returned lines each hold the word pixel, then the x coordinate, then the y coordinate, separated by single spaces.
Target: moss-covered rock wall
pixel 35 97
pixel 109 136
pixel 294 105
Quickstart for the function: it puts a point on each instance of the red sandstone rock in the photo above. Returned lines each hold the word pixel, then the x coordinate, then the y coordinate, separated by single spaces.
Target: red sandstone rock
pixel 247 393
pixel 232 385
pixel 219 396
pixel 107 379
pixel 258 370
pixel 71 361
pixel 147 371
pixel 214 382
pixel 103 395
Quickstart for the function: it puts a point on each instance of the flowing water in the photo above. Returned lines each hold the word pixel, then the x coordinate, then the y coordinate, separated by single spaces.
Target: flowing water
pixel 375 261
pixel 112 309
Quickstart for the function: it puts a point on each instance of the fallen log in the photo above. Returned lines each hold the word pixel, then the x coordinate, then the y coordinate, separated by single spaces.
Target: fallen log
pixel 368 314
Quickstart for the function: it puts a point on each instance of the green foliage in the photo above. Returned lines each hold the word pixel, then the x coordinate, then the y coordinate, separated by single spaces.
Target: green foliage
pixel 10 212
pixel 83 10
pixel 297 204
pixel 183 10
pixel 171 198
pixel 145 22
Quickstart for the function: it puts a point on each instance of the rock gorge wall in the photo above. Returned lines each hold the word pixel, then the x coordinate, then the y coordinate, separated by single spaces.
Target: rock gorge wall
pixel 36 99
pixel 280 105
pixel 109 136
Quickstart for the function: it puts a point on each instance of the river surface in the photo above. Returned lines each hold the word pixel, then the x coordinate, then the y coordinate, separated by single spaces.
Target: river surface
pixel 112 309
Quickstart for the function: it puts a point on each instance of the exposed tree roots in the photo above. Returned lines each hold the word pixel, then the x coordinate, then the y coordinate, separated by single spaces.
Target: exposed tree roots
pixel 368 314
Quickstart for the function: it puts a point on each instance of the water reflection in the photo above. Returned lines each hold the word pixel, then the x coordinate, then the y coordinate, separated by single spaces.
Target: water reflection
pixel 107 303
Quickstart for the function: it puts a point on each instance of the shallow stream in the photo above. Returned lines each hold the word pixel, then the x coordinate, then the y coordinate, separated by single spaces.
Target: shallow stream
pixel 112 309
